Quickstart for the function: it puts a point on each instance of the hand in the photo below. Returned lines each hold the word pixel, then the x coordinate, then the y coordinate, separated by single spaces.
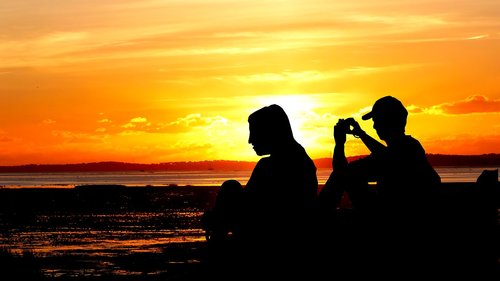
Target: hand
pixel 340 131
pixel 356 129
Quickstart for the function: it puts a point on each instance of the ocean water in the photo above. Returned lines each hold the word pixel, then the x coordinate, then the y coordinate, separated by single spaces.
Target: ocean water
pixel 181 178
pixel 129 178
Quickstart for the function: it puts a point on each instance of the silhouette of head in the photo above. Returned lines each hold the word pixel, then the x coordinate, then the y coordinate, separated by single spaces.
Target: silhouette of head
pixel 389 117
pixel 229 195
pixel 269 129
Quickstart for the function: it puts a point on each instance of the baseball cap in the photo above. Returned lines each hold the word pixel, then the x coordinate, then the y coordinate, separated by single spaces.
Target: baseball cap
pixel 387 107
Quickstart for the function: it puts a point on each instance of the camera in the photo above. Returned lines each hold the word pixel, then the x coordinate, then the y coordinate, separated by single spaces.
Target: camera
pixel 347 125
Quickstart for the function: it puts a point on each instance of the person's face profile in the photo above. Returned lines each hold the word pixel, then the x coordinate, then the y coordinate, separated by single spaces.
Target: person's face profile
pixel 259 140
pixel 381 128
pixel 387 128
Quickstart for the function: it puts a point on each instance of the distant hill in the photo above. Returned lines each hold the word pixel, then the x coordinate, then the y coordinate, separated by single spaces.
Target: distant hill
pixel 122 166
pixel 485 160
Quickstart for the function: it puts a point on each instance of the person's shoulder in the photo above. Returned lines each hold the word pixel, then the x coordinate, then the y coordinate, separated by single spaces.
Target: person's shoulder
pixel 263 162
pixel 302 158
pixel 409 140
pixel 413 144
pixel 301 152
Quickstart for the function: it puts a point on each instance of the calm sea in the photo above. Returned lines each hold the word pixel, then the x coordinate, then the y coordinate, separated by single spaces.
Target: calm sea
pixel 181 178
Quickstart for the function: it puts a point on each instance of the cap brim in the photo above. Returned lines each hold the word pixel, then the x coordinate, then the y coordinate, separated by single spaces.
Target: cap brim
pixel 367 116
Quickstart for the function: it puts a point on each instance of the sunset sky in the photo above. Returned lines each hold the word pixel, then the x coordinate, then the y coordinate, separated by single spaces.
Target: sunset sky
pixel 175 80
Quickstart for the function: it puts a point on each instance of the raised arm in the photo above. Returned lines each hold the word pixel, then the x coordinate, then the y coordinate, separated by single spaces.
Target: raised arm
pixel 339 161
pixel 372 144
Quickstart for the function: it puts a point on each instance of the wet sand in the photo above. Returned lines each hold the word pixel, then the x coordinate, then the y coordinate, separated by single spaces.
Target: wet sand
pixel 104 232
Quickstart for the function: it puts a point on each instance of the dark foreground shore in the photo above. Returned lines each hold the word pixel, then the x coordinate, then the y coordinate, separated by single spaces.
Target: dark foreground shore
pixel 178 261
pixel 104 232
pixel 154 233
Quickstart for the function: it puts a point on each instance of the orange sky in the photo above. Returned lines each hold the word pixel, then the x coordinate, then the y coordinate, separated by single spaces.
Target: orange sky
pixel 157 81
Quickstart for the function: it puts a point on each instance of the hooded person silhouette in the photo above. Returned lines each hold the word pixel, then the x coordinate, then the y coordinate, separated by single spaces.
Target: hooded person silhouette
pixel 281 191
pixel 277 205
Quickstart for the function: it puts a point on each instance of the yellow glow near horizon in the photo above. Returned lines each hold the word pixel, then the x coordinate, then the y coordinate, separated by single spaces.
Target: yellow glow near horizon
pixel 156 81
pixel 298 108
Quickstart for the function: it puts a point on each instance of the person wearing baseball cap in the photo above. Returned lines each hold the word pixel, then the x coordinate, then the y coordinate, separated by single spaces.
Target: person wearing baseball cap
pixel 401 203
pixel 387 106
pixel 389 117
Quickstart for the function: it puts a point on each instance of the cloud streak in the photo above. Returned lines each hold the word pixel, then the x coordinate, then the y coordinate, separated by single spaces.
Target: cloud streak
pixel 471 105
pixel 316 75
pixel 189 123
pixel 145 32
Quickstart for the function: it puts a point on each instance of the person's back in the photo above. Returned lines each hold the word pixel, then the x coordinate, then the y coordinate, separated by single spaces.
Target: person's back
pixel 281 194
pixel 406 180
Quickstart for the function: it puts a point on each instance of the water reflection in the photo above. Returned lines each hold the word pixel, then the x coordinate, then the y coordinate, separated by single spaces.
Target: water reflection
pixel 82 245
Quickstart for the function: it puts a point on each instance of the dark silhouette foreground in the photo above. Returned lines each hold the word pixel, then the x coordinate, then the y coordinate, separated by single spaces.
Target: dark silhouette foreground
pixel 408 226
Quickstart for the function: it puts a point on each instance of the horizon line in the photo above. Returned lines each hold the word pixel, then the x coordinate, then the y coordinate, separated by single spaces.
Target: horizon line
pixel 224 160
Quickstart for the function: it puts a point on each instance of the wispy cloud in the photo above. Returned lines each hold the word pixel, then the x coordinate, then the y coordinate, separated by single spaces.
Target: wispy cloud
pixel 62 37
pixel 297 76
pixel 192 32
pixel 48 122
pixel 104 120
pixel 315 75
pixel 478 37
pixel 405 22
pixel 139 120
pixel 472 104
pixel 76 137
pixel 139 123
pixel 189 123
pixel 193 121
